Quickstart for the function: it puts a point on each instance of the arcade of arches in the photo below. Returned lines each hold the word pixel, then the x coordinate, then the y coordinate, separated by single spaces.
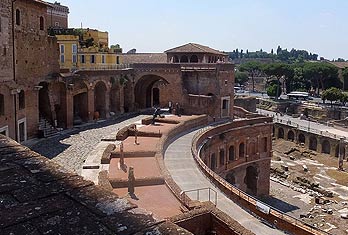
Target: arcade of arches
pixel 314 142
pixel 241 156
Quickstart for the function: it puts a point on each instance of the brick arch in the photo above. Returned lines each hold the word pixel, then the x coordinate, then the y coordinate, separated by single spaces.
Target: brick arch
pixel 143 91
pixel 301 138
pixel 251 178
pixel 100 107
pixel 280 133
pixel 291 135
pixel 325 146
pixel 313 143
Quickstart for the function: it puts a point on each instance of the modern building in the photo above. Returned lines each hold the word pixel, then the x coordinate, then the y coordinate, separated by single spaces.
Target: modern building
pixel 82 49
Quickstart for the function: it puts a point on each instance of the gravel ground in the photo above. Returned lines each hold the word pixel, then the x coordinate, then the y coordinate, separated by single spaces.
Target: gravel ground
pixel 70 149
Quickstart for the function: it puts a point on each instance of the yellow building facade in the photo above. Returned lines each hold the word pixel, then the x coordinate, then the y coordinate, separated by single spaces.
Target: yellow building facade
pixel 75 57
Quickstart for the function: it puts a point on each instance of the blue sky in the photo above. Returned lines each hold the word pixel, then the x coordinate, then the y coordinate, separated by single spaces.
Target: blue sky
pixel 319 26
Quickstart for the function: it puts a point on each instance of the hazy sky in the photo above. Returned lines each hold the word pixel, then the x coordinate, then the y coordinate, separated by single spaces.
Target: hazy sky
pixel 319 26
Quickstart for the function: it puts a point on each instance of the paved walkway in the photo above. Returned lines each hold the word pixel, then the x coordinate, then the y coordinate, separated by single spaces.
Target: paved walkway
pixel 182 167
pixel 70 150
pixel 314 127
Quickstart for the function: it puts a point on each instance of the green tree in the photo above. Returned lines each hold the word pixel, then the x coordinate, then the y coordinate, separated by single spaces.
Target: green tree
pixel 345 78
pixel 272 91
pixel 279 71
pixel 344 98
pixel 322 75
pixel 241 77
pixel 332 94
pixel 253 68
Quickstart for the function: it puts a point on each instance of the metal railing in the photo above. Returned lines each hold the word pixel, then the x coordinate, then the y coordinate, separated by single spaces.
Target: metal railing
pixel 241 194
pixel 185 195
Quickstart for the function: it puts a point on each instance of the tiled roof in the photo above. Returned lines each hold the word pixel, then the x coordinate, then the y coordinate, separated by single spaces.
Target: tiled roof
pixel 38 196
pixel 194 48
pixel 143 58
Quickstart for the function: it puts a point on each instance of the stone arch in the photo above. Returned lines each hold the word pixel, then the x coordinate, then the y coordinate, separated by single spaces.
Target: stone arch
pixel 280 133
pixel 100 99
pixel 291 135
pixel 213 161
pixel 194 59
pixel 301 138
pixel 250 179
pixel 144 92
pixel 230 178
pixel 222 157
pixel 184 59
pixel 231 156
pixel 241 150
pixel 313 143
pixel 325 146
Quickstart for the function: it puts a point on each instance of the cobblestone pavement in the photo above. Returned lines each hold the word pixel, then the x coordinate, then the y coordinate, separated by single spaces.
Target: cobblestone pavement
pixel 70 150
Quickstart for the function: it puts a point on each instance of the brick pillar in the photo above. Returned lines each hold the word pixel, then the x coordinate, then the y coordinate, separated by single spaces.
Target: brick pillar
pixel 69 109
pixel 90 98
pixel 107 103
pixel 319 146
pixel 122 99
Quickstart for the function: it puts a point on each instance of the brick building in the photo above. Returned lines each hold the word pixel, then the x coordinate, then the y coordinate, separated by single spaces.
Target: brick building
pixel 30 57
pixel 57 15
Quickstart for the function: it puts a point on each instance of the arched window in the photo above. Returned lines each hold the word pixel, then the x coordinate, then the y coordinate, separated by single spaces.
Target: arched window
pixel 194 59
pixel 2 105
pixel 21 100
pixel 42 23
pixel 18 17
pixel 176 59
pixel 231 153
pixel 184 59
pixel 241 150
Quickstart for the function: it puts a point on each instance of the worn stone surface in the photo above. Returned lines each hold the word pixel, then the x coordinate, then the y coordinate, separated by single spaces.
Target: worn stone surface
pixel 37 196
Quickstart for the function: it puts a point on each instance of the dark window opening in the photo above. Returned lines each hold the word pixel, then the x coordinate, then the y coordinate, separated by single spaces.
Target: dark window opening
pixel 21 98
pixel 18 17
pixel 224 104
pixel 241 150
pixel 117 60
pixel 92 59
pixel 222 157
pixel 184 59
pixel 42 23
pixel 83 59
pixel 2 104
pixel 194 59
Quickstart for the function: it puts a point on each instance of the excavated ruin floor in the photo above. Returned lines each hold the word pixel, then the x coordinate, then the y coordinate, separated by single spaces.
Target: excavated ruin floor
pixel 299 201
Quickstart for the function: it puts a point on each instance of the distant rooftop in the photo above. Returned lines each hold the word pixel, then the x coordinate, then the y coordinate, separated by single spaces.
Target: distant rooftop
pixel 194 48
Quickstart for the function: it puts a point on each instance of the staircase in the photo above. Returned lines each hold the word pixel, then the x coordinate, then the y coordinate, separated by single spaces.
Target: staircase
pixel 46 129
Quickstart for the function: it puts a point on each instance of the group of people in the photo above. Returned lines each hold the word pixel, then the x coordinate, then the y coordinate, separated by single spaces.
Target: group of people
pixel 172 109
